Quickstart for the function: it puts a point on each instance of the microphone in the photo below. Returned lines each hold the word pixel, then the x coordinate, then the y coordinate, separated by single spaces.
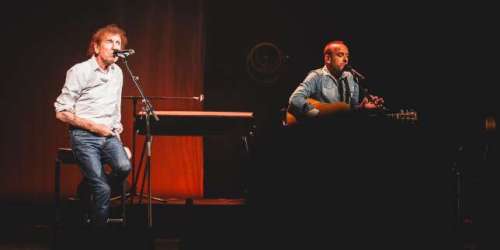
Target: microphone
pixel 354 72
pixel 200 98
pixel 123 53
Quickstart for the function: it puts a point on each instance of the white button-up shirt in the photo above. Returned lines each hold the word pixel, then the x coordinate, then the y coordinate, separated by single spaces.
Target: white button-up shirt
pixel 93 94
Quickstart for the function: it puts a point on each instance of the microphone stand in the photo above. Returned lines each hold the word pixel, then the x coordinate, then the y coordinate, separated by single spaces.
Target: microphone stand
pixel 149 111
pixel 358 78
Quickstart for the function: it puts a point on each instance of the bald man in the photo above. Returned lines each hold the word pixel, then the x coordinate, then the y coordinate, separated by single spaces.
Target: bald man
pixel 331 84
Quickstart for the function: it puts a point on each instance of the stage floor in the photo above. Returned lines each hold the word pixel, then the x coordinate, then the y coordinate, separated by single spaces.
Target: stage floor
pixel 213 224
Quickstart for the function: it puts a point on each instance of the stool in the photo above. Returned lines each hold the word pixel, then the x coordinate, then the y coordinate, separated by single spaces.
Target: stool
pixel 65 156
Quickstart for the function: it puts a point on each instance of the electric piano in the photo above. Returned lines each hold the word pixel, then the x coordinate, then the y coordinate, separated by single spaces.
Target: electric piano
pixel 196 123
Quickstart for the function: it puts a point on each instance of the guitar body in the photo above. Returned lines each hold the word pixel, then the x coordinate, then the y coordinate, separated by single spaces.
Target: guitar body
pixel 325 110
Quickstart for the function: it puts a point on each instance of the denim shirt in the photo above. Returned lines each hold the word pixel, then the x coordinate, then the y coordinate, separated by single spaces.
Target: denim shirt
pixel 94 94
pixel 319 84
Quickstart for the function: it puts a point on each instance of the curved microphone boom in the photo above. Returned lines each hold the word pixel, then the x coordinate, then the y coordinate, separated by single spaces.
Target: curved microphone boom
pixel 123 53
pixel 349 68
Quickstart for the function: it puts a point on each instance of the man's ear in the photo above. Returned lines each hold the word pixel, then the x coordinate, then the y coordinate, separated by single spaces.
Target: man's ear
pixel 328 58
pixel 96 48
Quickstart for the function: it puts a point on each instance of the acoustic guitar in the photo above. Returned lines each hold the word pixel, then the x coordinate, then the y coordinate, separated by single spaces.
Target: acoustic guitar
pixel 331 109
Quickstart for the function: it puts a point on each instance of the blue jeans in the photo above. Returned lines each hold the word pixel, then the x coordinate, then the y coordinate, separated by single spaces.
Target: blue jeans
pixel 92 153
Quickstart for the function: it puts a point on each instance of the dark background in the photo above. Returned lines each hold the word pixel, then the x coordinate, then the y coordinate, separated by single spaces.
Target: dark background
pixel 436 58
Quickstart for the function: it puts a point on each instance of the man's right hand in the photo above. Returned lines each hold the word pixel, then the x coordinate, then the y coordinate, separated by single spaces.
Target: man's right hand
pixel 312 113
pixel 101 130
pixel 74 120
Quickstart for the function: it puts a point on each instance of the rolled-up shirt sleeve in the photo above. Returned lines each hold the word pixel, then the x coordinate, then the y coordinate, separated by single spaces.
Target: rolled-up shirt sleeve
pixel 70 92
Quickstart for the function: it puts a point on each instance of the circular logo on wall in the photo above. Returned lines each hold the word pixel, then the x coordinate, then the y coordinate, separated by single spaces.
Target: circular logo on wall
pixel 264 62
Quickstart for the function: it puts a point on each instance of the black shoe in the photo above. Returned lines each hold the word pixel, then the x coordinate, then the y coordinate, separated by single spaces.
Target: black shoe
pixel 85 199
pixel 117 186
pixel 83 191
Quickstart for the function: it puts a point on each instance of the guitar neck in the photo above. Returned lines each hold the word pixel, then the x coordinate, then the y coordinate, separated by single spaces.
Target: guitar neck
pixel 405 115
